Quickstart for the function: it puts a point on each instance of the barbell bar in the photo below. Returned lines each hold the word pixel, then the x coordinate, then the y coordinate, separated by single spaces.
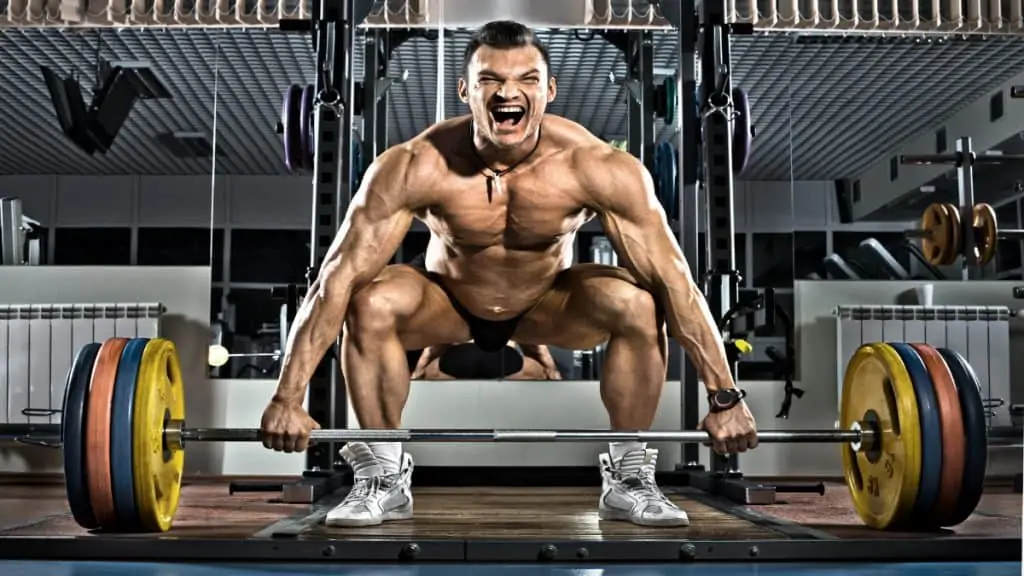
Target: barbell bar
pixel 957 158
pixel 176 435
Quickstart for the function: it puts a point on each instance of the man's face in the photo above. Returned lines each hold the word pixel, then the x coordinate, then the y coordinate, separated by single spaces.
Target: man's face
pixel 507 90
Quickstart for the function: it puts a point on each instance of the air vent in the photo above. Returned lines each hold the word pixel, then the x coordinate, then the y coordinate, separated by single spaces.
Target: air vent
pixel 187 144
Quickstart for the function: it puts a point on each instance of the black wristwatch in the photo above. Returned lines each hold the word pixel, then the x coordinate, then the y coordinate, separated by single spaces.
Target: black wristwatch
pixel 724 399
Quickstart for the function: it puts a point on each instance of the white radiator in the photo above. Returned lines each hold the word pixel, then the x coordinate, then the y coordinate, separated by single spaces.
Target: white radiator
pixel 980 333
pixel 38 343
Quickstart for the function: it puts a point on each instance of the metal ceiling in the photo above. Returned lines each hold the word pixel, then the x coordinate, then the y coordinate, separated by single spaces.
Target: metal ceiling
pixel 824 108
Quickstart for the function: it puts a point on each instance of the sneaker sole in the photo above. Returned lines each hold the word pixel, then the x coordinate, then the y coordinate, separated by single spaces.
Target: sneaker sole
pixel 359 522
pixel 623 516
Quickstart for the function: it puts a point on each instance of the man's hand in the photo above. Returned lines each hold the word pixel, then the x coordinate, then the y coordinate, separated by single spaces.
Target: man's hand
pixel 286 426
pixel 732 431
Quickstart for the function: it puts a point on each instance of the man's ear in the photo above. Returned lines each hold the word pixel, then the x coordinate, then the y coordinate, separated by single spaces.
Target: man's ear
pixel 463 91
pixel 552 89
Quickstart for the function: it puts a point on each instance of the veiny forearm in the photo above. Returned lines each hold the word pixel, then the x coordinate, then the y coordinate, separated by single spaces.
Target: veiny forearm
pixel 690 323
pixel 317 324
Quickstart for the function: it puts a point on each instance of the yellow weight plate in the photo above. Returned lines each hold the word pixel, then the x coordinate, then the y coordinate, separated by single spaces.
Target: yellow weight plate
pixel 937 243
pixel 986 232
pixel 957 230
pixel 883 479
pixel 159 397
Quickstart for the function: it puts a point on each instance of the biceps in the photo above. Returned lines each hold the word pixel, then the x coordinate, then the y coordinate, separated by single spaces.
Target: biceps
pixel 365 243
pixel 647 247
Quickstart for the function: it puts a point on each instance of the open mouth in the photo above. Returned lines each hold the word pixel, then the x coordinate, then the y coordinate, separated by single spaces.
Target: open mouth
pixel 508 116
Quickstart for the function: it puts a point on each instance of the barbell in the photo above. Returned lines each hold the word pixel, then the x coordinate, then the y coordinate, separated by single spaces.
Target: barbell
pixel 941 232
pixel 912 428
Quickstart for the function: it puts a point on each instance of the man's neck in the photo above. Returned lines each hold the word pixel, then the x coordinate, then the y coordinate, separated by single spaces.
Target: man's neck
pixel 499 159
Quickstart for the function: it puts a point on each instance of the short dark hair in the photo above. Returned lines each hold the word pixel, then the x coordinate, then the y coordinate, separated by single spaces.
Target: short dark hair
pixel 504 34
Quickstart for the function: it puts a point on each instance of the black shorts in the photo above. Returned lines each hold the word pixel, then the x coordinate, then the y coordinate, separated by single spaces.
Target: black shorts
pixel 488 335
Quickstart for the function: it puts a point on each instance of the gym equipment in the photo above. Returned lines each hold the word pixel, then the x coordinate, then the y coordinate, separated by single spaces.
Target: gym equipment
pixel 883 481
pixel 930 430
pixel 306 120
pixel 975 456
pixel 291 128
pixel 666 164
pixel 942 231
pixel 218 355
pixel 883 461
pixel 742 130
pixel 121 433
pixel 952 424
pixel 836 268
pixel 881 260
pixel 666 100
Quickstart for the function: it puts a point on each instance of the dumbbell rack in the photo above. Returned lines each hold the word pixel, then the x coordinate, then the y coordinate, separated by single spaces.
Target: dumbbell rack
pixel 964 159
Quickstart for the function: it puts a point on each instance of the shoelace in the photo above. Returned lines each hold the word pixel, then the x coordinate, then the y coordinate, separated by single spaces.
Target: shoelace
pixel 642 483
pixel 365 488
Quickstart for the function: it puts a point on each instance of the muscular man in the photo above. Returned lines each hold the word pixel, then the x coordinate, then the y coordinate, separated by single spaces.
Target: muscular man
pixel 504 191
pixel 529 362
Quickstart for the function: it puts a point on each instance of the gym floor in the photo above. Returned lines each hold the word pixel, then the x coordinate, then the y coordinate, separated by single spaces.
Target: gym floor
pixel 447 514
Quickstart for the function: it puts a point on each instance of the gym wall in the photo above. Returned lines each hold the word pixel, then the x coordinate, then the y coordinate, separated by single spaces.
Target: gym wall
pixel 765 212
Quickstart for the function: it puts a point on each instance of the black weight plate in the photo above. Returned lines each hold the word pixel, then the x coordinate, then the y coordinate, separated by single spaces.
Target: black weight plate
pixel 292 124
pixel 968 388
pixel 76 395
pixel 307 124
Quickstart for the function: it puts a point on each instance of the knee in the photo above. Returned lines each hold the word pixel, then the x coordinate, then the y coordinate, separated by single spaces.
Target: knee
pixel 634 313
pixel 373 311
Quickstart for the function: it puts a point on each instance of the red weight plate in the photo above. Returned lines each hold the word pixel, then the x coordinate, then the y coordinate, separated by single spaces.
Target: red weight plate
pixel 954 444
pixel 97 434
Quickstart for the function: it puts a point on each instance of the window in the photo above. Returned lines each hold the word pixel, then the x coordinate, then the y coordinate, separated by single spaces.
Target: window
pixel 1008 252
pixel 809 249
pixel 256 312
pixel 181 247
pixel 773 260
pixel 739 248
pixel 273 256
pixel 93 247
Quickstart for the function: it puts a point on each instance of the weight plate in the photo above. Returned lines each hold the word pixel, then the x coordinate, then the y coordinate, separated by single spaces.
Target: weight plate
pixel 122 420
pixel 883 481
pixel 159 398
pixel 306 127
pixel 953 443
pixel 937 242
pixel 72 435
pixel 957 247
pixel 742 137
pixel 975 433
pixel 931 434
pixel 97 435
pixel 667 178
pixel 986 232
pixel 292 132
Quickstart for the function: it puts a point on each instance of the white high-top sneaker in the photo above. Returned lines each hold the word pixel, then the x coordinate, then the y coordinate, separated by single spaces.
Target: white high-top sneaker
pixel 629 492
pixel 375 497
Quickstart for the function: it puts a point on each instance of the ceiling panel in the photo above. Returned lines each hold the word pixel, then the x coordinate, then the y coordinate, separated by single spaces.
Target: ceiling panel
pixel 823 109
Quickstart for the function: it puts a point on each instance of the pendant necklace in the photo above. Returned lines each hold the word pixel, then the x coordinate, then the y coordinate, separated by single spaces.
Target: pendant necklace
pixel 494 176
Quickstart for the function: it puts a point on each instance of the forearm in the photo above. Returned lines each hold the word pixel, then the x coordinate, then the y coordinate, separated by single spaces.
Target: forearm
pixel 690 323
pixel 539 353
pixel 317 325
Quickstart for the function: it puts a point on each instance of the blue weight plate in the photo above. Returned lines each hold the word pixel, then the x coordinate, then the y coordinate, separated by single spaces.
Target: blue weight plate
pixel 968 388
pixel 122 437
pixel 76 395
pixel 673 162
pixel 931 430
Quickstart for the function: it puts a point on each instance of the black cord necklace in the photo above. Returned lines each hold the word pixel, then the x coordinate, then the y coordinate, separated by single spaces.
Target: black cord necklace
pixel 494 178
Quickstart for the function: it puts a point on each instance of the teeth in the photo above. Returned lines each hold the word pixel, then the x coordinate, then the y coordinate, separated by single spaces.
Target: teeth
pixel 509 109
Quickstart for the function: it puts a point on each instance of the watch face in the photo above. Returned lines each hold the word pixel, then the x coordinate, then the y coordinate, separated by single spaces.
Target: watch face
pixel 723 397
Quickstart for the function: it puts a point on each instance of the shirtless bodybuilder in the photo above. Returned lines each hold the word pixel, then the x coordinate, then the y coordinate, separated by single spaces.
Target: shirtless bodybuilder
pixel 503 192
